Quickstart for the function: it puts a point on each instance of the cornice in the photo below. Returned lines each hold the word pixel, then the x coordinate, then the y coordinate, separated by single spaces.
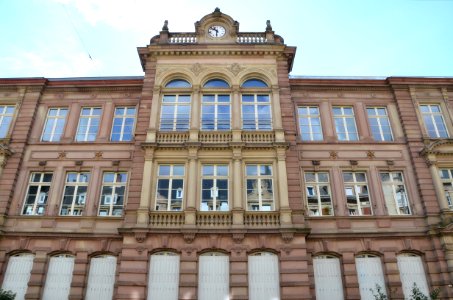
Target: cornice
pixel 135 88
pixel 318 88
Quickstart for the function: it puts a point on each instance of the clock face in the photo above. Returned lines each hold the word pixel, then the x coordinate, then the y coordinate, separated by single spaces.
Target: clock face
pixel 216 31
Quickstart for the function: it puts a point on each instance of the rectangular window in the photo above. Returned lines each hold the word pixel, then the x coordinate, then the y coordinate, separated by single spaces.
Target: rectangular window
pixel 319 199
pixel 88 124
pixel 163 279
pixel 345 123
pixel 264 276
pixel 379 124
pixel 75 194
pixel 214 185
pixel 357 197
pixel 256 112
pixel 260 192
pixel 101 278
pixel 446 176
pixel 369 274
pixel 18 274
pixel 55 121
pixel 37 194
pixel 215 112
pixel 213 276
pixel 113 193
pixel 59 277
pixel 310 123
pixel 123 124
pixel 175 113
pixel 6 116
pixel 170 187
pixel 395 194
pixel 328 281
pixel 412 272
pixel 434 120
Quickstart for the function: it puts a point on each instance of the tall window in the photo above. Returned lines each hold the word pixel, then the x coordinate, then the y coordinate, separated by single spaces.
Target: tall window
pixel 123 124
pixel 214 184
pixel 88 124
pixel 264 278
pixel 75 194
pixel 434 120
pixel 170 187
pixel 55 121
pixel 357 196
pixel 395 193
pixel 213 276
pixel 113 193
pixel 215 112
pixel 6 116
pixel 412 272
pixel 256 106
pixel 18 274
pixel 379 124
pixel 101 278
pixel 260 192
pixel 319 199
pixel 59 277
pixel 369 274
pixel 345 123
pixel 175 113
pixel 163 279
pixel 446 176
pixel 310 123
pixel 328 283
pixel 37 194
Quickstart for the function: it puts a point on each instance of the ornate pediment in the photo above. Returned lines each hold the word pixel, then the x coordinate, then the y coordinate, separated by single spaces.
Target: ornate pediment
pixel 438 147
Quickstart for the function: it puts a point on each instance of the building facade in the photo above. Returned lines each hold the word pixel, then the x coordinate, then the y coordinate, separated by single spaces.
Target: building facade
pixel 217 175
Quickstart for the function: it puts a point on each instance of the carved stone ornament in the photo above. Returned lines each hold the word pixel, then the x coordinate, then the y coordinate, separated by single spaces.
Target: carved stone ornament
pixel 140 249
pixel 287 236
pixel 333 154
pixel 140 237
pixel 62 155
pixel 370 154
pixel 235 69
pixel 196 69
pixel 238 237
pixel 98 155
pixel 189 237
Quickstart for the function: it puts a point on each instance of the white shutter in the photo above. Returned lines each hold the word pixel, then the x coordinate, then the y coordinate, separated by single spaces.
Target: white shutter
pixel 412 271
pixel 264 281
pixel 369 273
pixel 59 278
pixel 213 278
pixel 163 277
pixel 101 278
pixel 18 274
pixel 328 283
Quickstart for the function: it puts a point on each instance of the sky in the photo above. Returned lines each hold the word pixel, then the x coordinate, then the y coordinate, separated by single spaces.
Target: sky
pixel 88 38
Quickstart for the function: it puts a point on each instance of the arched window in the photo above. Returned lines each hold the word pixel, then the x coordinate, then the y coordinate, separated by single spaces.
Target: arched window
pixel 256 106
pixel 412 272
pixel 328 283
pixel 59 277
pixel 263 277
pixel 178 83
pixel 163 282
pixel 18 274
pixel 101 278
pixel 213 276
pixel 370 275
pixel 216 106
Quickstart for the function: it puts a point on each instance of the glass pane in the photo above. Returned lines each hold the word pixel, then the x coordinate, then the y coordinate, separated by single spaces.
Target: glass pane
pixel 251 170
pixel 222 170
pixel 164 170
pixel 251 83
pixel 216 83
pixel 178 170
pixel 178 83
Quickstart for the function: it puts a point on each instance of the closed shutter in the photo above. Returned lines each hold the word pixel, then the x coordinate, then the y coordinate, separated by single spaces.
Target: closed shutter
pixel 328 283
pixel 59 278
pixel 264 282
pixel 101 278
pixel 18 274
pixel 213 278
pixel 163 277
pixel 369 273
pixel 412 271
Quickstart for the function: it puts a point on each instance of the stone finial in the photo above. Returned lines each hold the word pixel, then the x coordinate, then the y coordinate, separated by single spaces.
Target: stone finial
pixel 165 27
pixel 268 25
pixel 217 10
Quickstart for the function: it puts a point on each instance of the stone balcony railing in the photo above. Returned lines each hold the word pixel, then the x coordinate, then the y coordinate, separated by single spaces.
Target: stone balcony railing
pixel 172 137
pixel 166 219
pixel 216 137
pixel 183 38
pixel 262 219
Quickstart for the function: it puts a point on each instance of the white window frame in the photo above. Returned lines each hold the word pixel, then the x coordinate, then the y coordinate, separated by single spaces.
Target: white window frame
pixel 257 117
pixel 38 207
pixel 328 278
pixel 176 118
pixel 111 206
pixel 59 277
pixel 18 273
pixel 163 279
pixel 216 104
pixel 261 188
pixel 355 186
pixel 313 189
pixel 169 204
pixel 217 204
pixel 446 177
pixel 392 184
pixel 263 276
pixel 343 117
pixel 310 117
pixel 431 115
pixel 122 129
pixel 213 276
pixel 6 118
pixel 101 278
pixel 370 275
pixel 57 128
pixel 85 135
pixel 78 201
pixel 381 135
pixel 412 271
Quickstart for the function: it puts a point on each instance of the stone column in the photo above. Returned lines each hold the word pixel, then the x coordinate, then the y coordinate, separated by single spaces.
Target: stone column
pixel 238 209
pixel 195 114
pixel 285 210
pixel 191 187
pixel 153 120
pixel 236 114
pixel 438 186
pixel 277 115
pixel 145 196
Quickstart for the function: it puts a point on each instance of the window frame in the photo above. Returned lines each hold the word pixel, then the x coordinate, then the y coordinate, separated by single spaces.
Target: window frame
pixel 86 135
pixel 14 276
pixel 81 202
pixel 366 287
pixel 379 125
pixel 258 205
pixel 175 104
pixel 215 177
pixel 106 289
pixel 171 290
pixel 257 120
pixel 320 278
pixel 38 202
pixel 217 279
pixel 216 104
pixel 123 118
pixel 310 126
pixel 432 115
pixel 316 186
pixel 5 126
pixel 260 289
pixel 179 192
pixel 343 117
pixel 448 193
pixel 392 183
pixel 54 137
pixel 355 185
pixel 51 272
pixel 112 208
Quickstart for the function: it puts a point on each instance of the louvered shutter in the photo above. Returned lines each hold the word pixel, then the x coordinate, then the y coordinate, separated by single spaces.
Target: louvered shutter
pixel 163 277
pixel 18 274
pixel 369 273
pixel 59 278
pixel 264 281
pixel 101 278
pixel 412 271
pixel 213 278
pixel 328 283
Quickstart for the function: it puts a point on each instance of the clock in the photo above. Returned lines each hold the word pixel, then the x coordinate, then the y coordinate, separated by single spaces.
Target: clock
pixel 216 31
